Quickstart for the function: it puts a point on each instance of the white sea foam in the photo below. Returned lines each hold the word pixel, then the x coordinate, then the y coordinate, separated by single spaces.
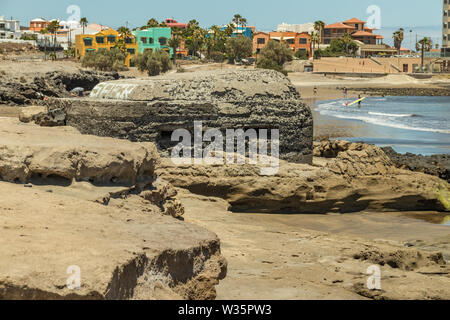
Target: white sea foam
pixel 383 122
pixel 393 115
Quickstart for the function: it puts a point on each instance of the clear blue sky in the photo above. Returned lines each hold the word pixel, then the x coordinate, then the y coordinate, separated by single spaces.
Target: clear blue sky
pixel 264 14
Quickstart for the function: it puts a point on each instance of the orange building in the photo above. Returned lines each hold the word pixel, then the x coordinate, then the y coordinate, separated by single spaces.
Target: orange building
pixel 182 51
pixel 260 40
pixel 106 39
pixel 295 41
pixel 355 27
pixel 38 24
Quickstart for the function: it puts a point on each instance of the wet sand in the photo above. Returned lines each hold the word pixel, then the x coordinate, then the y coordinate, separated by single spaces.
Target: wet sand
pixel 289 257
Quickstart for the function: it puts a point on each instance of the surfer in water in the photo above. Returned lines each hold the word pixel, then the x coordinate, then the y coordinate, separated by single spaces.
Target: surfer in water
pixel 360 100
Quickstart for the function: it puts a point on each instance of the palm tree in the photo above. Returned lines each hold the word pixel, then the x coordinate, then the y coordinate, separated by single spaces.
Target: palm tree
pixel 315 39
pixel 44 32
pixel 175 42
pixel 398 37
pixel 124 35
pixel 319 25
pixel 237 20
pixel 84 22
pixel 52 28
pixel 347 40
pixel 152 23
pixel 424 45
pixel 124 32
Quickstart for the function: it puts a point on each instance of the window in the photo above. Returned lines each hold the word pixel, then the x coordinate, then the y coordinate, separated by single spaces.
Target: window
pixel 131 50
pixel 90 50
pixel 100 40
pixel 303 41
pixel 128 40
pixel 261 41
pixel 162 41
pixel 87 42
pixel 144 40
pixel 111 39
pixel 290 41
pixel 150 40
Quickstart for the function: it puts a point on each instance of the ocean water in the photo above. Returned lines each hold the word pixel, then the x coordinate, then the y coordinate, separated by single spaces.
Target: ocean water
pixel 418 125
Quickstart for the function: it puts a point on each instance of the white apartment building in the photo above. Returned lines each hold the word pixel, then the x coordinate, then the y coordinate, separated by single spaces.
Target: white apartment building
pixel 298 28
pixel 9 29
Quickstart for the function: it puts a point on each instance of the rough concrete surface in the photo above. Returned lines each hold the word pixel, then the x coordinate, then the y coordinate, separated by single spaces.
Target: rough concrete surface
pixel 151 109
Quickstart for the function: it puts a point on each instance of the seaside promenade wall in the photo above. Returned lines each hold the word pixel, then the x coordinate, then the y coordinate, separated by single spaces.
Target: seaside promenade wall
pixel 390 65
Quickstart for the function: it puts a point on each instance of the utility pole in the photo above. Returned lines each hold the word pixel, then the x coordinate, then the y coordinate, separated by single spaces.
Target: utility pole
pixel 411 40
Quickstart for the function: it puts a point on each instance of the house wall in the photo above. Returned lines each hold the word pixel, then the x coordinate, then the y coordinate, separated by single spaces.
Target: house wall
pixel 81 48
pixel 149 39
pixel 295 41
pixel 9 29
pixel 38 25
pixel 366 39
pixel 257 47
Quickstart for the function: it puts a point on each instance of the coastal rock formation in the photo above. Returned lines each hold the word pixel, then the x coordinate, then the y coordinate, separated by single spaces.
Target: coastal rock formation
pixel 92 206
pixel 28 151
pixel 119 251
pixel 359 177
pixel 151 109
pixel 25 91
pixel 436 165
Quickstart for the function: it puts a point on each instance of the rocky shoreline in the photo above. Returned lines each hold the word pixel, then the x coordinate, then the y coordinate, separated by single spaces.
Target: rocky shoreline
pixel 403 91
pixel 435 165
pixel 26 91
pixel 138 225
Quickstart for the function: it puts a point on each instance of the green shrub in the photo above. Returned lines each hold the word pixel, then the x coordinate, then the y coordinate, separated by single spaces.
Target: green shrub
pixel 105 60
pixel 238 48
pixel 217 56
pixel 153 62
pixel 337 48
pixel 274 56
pixel 301 54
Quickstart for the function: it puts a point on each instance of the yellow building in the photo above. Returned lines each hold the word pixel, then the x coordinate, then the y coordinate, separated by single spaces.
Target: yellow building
pixel 105 39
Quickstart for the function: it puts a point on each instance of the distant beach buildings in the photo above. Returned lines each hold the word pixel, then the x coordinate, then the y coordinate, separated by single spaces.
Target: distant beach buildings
pixel 9 28
pixel 298 28
pixel 445 51
pixel 296 41
pixel 105 39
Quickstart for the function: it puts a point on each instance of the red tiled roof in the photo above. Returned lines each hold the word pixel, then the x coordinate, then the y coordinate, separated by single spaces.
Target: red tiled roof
pixel 338 25
pixel 354 20
pixel 363 34
pixel 379 36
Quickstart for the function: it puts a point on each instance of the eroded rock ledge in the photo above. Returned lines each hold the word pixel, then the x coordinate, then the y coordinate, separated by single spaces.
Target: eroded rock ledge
pixel 345 177
pixel 95 203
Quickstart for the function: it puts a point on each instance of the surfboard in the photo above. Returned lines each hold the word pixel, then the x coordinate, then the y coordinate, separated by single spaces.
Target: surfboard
pixel 354 102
